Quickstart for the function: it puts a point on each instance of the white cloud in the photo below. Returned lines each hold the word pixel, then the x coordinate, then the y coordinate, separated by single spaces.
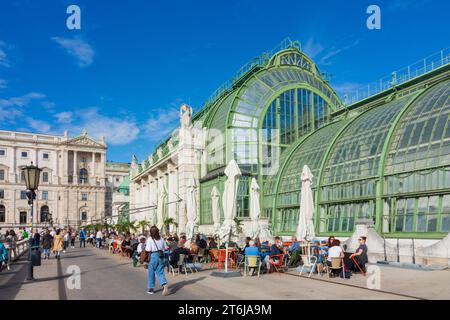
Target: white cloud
pixel 3 56
pixel 9 114
pixel 64 117
pixel 162 122
pixel 77 48
pixel 22 100
pixel 325 60
pixel 117 131
pixel 312 48
pixel 11 108
pixel 3 83
pixel 38 125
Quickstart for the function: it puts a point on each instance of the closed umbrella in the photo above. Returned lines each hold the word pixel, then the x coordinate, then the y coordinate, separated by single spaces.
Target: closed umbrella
pixel 191 208
pixel 162 203
pixel 215 208
pixel 229 202
pixel 255 209
pixel 305 228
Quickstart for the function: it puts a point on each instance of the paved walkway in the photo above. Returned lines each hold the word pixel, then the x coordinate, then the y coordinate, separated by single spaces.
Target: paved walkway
pixel 108 276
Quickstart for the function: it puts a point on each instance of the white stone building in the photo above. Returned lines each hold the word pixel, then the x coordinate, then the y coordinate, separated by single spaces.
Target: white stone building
pixel 72 184
pixel 117 191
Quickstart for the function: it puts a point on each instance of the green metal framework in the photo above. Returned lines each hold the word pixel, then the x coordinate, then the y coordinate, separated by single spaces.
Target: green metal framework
pixel 274 104
pixel 390 163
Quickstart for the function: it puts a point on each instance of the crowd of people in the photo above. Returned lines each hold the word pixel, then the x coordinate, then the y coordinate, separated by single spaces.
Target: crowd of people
pixel 157 252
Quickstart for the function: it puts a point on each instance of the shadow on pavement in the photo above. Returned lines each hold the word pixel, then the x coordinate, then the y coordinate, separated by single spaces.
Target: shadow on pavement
pixel 177 286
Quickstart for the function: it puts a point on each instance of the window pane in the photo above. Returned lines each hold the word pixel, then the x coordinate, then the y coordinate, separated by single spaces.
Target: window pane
pixel 421 214
pixel 432 214
pixel 399 215
pixel 409 214
pixel 445 223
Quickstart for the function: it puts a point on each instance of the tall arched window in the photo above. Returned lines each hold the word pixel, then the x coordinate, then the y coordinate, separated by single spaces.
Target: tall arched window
pixel 83 176
pixel 2 213
pixel 44 214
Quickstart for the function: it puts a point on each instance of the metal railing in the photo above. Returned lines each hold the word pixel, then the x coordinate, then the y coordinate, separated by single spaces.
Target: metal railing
pixel 407 73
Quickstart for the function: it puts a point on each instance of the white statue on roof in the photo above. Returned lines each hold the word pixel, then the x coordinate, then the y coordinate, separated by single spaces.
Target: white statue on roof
pixel 186 115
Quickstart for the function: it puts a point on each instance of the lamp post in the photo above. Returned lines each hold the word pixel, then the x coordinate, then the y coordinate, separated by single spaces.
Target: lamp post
pixel 32 175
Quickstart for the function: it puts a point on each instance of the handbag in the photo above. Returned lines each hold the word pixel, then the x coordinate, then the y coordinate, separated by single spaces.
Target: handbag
pixel 143 258
pixel 160 252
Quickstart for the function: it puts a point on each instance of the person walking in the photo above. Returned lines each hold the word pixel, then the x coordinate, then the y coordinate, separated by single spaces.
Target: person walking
pixel 7 260
pixel 82 238
pixel 46 244
pixel 72 239
pixel 99 238
pixel 155 246
pixel 57 244
pixel 3 255
pixel 12 243
pixel 66 240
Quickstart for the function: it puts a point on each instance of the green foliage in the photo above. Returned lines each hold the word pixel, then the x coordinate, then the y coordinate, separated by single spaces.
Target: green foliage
pixel 143 224
pixel 126 226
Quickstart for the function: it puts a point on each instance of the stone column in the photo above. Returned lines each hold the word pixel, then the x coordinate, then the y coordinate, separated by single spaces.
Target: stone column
pixel 93 166
pixel 75 166
pixel 12 172
pixel 102 168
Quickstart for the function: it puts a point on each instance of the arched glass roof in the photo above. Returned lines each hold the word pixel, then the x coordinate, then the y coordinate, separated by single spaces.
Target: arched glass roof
pixel 310 152
pixel 239 113
pixel 356 153
pixel 422 139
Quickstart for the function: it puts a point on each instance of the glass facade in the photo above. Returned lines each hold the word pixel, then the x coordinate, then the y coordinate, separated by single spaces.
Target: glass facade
pixel 386 159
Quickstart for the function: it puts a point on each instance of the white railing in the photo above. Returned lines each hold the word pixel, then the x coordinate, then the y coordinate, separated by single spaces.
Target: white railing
pixel 412 71
pixel 22 246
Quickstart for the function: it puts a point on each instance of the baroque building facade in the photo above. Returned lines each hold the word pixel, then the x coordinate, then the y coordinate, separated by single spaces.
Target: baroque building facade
pixel 72 184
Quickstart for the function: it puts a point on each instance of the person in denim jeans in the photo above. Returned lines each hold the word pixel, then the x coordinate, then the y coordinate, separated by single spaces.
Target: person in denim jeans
pixel 46 244
pixel 156 243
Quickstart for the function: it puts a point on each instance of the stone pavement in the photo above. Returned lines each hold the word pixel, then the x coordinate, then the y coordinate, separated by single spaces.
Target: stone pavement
pixel 108 276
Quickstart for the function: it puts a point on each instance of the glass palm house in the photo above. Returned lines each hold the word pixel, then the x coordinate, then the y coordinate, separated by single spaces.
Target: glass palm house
pixel 385 157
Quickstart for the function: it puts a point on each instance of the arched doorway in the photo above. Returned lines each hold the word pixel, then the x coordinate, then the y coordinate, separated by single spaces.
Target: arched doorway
pixel 44 214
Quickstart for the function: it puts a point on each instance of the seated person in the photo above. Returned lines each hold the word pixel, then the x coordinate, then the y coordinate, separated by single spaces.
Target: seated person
pixel 274 250
pixel 175 254
pixel 334 252
pixel 360 256
pixel 137 253
pixel 251 250
pixel 200 242
pixel 247 242
pixel 211 243
pixel 294 246
pixel 126 247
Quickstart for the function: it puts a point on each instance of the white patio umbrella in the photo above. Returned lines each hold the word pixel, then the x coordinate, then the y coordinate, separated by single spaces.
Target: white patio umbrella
pixel 191 208
pixel 305 228
pixel 161 210
pixel 255 209
pixel 215 208
pixel 229 202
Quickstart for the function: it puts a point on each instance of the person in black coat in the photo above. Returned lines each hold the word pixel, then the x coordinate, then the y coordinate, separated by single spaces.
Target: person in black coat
pixel 47 244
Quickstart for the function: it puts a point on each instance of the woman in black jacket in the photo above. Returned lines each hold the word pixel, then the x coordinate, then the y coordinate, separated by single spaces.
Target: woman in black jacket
pixel 47 244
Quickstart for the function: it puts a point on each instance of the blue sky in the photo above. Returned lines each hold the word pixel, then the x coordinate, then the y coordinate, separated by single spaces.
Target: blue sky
pixel 125 73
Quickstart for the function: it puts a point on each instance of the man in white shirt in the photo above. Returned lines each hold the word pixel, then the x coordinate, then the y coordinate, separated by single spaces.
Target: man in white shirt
pixel 99 238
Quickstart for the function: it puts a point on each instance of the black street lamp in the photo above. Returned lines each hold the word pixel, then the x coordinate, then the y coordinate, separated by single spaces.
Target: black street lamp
pixel 32 174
